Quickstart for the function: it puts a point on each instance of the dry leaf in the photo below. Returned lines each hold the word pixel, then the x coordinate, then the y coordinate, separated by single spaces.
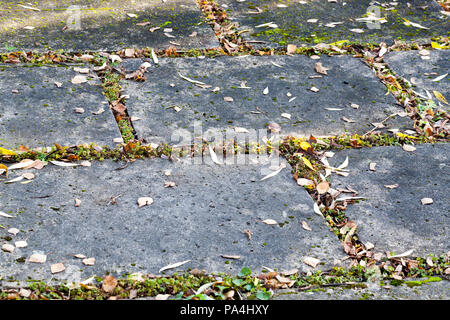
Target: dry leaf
pixel 426 201
pixel 79 110
pixel 81 70
pixel 286 115
pixel 38 258
pixel 354 106
pixel 310 261
pixel 391 186
pixel 320 69
pixel 439 96
pixel 372 166
pixel 282 166
pixel 323 187
pixel 77 202
pixel 304 182
pixel 89 261
pixel 270 221
pixel 291 49
pixel 408 147
pixel 21 244
pixel 174 265
pixel 109 284
pixel 317 209
pixel 305 226
pixel 13 231
pixel 230 257
pixel 266 90
pixel 63 164
pixel 79 79
pixel 144 201
pixel 228 99
pixel 274 127
pixel 213 156
pixel 8 247
pixel 3 214
pixel 57 267
pixel 169 184
pixel 314 89
pixel 404 254
pixel 79 256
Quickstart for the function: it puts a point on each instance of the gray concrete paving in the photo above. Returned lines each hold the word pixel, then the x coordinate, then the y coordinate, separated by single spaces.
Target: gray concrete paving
pixel 35 112
pixel 427 291
pixel 288 84
pixel 200 219
pixel 278 23
pixel 395 220
pixel 103 25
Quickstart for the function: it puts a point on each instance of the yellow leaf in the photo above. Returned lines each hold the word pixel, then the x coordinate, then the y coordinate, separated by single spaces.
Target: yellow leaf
pixel 402 135
pixel 338 43
pixel 436 45
pixel 439 96
pixel 308 164
pixel 7 152
pixel 305 145
pixel 3 167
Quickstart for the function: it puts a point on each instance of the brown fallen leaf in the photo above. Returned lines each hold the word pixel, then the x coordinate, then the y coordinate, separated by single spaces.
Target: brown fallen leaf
pixel 270 221
pixel 109 284
pixel 169 184
pixel 320 68
pixel 323 187
pixel 248 233
pixel 79 79
pixel 291 49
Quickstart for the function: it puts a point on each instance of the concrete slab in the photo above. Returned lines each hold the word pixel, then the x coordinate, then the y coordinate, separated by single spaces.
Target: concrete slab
pixel 200 219
pixel 421 72
pixel 395 219
pixel 428 291
pixel 288 83
pixel 322 21
pixel 35 112
pixel 101 25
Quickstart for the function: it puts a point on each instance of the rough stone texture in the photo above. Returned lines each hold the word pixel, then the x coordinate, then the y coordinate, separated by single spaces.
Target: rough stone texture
pixel 199 220
pixel 103 25
pixel 428 291
pixel 395 219
pixel 292 24
pixel 348 81
pixel 41 114
pixel 420 72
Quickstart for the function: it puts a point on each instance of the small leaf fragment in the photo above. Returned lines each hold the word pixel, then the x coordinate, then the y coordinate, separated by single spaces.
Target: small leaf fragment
pixel 426 201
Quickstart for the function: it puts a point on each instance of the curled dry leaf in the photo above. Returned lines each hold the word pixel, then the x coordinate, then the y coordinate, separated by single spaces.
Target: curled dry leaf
pixel 234 257
pixel 305 226
pixel 144 201
pixel 391 186
pixel 169 184
pixel 57 267
pixel 320 69
pixel 174 265
pixel 77 202
pixel 372 166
